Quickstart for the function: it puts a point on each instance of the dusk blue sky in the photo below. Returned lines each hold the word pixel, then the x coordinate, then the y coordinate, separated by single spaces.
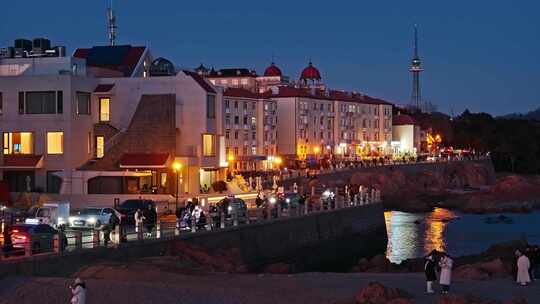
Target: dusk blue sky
pixel 481 55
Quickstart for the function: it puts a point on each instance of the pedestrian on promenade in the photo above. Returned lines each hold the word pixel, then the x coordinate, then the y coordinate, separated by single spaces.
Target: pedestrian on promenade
pixel 259 201
pixel 106 230
pixel 150 219
pixel 530 253
pixel 536 262
pixel 430 271
pixel 523 265
pixel 445 280
pixel 139 218
pixel 78 291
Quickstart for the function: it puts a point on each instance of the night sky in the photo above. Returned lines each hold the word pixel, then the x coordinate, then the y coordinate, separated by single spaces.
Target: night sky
pixel 481 55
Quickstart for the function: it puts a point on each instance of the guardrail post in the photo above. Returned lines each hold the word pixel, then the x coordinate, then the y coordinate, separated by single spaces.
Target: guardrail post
pixel 95 238
pixel 209 221
pixel 28 248
pixel 235 219
pixel 139 229
pixel 56 243
pixel 278 209
pixel 247 216
pixel 306 206
pixel 222 220
pixel 78 240
pixel 158 229
pixel 193 224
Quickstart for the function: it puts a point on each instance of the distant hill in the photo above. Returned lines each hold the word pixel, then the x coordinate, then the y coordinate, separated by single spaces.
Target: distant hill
pixel 532 115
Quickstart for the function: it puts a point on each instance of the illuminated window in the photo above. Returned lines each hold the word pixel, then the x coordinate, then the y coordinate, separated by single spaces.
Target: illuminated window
pixel 104 109
pixel 100 146
pixel 208 145
pixel 55 142
pixel 18 143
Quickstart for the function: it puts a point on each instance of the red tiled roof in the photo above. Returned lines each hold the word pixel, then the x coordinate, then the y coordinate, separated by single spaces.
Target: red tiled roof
pixel 402 119
pixel 242 93
pixel 103 88
pixel 22 161
pixel 201 81
pixel 144 160
pixel 287 91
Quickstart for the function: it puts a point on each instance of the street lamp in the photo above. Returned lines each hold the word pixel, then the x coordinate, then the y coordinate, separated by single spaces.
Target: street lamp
pixel 177 167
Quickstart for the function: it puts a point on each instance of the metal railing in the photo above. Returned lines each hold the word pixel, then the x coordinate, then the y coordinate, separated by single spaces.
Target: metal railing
pixel 72 241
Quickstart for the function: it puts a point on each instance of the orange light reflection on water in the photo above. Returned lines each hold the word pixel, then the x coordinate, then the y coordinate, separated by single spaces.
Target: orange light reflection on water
pixel 412 235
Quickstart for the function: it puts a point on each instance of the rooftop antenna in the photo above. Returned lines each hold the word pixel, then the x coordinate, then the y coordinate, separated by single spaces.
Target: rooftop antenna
pixel 111 20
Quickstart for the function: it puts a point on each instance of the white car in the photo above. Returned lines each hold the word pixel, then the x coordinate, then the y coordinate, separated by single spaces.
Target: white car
pixel 92 217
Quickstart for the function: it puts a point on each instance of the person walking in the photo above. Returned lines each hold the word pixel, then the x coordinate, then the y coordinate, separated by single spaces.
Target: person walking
pixel 445 280
pixel 523 265
pixel 430 270
pixel 139 218
pixel 78 291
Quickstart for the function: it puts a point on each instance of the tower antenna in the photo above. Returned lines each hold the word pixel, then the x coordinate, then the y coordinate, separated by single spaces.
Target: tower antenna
pixel 111 22
pixel 416 69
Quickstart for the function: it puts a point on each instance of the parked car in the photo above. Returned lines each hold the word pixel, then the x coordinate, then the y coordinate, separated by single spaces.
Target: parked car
pixel 232 206
pixel 93 217
pixel 55 214
pixel 40 236
pixel 128 208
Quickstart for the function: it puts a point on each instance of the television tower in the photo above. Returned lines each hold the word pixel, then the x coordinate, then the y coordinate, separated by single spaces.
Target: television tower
pixel 416 69
pixel 111 22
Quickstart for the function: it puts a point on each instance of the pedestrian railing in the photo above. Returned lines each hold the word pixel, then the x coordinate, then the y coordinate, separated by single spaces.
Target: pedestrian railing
pixel 75 240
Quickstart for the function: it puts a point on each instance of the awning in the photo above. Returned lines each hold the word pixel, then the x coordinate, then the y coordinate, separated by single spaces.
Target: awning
pixel 144 160
pixel 103 88
pixel 20 161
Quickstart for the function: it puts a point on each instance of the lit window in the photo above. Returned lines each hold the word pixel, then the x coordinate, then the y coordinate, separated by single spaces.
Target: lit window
pixel 55 142
pixel 18 143
pixel 208 145
pixel 253 150
pixel 100 146
pixel 104 109
pixel 244 81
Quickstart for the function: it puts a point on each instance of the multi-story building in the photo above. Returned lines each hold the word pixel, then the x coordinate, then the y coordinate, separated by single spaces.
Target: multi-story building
pixel 313 119
pixel 249 125
pixel 109 120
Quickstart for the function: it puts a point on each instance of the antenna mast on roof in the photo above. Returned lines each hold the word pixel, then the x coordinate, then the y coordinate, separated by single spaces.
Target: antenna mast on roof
pixel 111 20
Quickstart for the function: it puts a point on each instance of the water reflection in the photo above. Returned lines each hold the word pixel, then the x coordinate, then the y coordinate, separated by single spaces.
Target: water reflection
pixel 413 235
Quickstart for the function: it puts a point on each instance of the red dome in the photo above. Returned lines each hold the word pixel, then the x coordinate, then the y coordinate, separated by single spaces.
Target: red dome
pixel 311 73
pixel 272 71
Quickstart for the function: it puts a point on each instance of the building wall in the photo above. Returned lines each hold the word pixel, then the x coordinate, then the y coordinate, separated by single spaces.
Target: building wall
pixel 287 125
pixel 406 136
pixel 75 128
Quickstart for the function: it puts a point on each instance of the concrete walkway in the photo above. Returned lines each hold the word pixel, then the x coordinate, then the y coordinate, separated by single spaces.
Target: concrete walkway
pixel 164 288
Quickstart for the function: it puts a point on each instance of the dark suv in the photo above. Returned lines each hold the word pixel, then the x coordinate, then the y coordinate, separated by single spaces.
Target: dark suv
pixel 128 208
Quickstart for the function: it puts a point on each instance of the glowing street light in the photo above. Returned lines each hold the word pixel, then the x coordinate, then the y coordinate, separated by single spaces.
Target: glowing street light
pixel 316 150
pixel 177 168
pixel 278 161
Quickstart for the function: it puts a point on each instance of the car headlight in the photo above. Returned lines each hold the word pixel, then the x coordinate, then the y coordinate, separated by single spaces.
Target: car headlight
pixel 288 200
pixel 272 200
pixel 92 220
pixel 61 220
pixel 71 219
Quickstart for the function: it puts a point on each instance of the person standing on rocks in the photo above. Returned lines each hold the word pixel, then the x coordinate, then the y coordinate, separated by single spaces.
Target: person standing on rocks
pixel 430 271
pixel 79 292
pixel 523 265
pixel 445 280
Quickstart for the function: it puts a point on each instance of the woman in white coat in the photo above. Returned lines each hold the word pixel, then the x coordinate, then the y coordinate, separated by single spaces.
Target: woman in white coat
pixel 445 279
pixel 523 265
pixel 79 292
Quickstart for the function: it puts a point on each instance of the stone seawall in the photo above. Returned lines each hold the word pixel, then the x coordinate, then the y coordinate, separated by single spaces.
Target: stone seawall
pixel 314 242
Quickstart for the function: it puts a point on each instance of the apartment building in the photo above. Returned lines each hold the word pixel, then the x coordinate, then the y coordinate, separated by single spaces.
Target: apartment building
pixel 109 120
pixel 315 122
pixel 249 125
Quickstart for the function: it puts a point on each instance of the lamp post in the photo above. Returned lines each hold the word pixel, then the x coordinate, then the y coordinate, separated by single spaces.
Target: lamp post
pixel 177 167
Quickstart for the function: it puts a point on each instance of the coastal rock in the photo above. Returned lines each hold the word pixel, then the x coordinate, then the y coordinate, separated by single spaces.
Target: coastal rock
pixel 228 261
pixel 461 299
pixel 515 301
pixel 482 270
pixel 278 268
pixel 376 293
